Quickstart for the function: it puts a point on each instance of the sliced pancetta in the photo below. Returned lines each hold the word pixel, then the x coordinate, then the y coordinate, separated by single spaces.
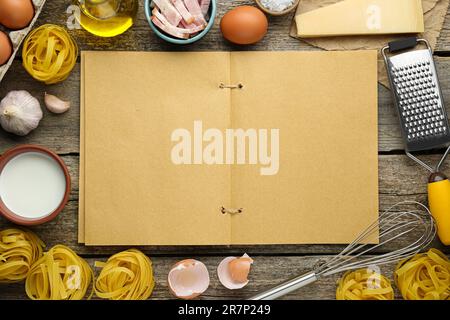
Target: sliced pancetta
pixel 204 6
pixel 169 29
pixel 184 25
pixel 169 11
pixel 178 30
pixel 196 11
pixel 180 18
pixel 179 5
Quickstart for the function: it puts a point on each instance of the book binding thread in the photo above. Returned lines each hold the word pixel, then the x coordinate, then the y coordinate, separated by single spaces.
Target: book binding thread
pixel 231 210
pixel 230 86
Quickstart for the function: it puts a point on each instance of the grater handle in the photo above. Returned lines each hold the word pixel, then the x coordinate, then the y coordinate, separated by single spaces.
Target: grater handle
pixel 439 203
pixel 426 166
pixel 438 167
pixel 402 44
pixel 420 162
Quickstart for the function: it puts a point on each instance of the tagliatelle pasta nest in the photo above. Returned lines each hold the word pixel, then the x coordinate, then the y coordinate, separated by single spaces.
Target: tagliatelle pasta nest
pixel 49 54
pixel 364 284
pixel 426 276
pixel 127 275
pixel 59 275
pixel 19 249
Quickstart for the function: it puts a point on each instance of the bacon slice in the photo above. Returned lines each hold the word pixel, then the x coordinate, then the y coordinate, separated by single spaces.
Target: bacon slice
pixel 179 5
pixel 174 29
pixel 169 11
pixel 204 6
pixel 196 11
pixel 184 25
pixel 169 29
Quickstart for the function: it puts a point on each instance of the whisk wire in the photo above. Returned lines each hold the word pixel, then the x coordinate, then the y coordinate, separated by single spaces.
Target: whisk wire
pixel 391 226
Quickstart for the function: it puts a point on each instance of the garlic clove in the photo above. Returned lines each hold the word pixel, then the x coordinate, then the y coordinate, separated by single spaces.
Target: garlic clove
pixel 20 112
pixel 55 104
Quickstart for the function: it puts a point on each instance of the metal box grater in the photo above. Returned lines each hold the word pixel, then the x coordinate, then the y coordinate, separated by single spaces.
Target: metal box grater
pixel 417 95
pixel 423 118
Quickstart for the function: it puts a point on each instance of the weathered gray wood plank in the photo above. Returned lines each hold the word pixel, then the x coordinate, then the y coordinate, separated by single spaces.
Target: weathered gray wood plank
pixel 265 273
pixel 400 179
pixel 140 37
pixel 443 43
pixel 61 132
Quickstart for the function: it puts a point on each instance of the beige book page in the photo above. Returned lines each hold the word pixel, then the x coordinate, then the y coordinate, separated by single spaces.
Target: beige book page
pixel 325 107
pixel 134 194
pixel 81 167
pixel 82 152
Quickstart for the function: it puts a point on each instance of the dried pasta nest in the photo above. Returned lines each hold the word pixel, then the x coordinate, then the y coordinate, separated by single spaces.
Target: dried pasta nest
pixel 364 284
pixel 19 249
pixel 49 54
pixel 60 274
pixel 127 275
pixel 426 276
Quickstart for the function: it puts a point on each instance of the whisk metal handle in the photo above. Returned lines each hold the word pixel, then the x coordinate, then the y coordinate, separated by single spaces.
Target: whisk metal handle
pixel 286 287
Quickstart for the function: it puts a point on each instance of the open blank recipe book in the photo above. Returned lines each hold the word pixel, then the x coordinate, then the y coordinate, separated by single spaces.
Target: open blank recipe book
pixel 220 148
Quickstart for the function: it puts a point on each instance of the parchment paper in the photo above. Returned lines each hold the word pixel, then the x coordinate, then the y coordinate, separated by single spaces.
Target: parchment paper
pixel 434 16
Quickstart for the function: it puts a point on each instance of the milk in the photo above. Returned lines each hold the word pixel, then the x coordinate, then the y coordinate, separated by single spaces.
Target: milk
pixel 32 185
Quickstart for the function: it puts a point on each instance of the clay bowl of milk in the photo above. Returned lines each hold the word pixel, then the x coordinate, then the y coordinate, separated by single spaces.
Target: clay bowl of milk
pixel 34 185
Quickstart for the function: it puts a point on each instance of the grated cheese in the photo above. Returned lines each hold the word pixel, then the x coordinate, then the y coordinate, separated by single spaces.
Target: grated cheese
pixel 277 5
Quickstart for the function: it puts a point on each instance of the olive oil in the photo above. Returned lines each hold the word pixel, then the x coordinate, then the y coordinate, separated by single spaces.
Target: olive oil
pixel 107 18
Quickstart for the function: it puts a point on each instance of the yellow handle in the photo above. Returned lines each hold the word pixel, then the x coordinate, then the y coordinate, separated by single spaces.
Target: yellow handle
pixel 439 202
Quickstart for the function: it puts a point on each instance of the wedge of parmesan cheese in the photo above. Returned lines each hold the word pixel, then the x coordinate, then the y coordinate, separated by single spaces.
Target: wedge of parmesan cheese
pixel 362 17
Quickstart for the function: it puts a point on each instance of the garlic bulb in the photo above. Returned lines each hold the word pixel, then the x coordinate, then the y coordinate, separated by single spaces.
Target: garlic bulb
pixel 55 104
pixel 20 112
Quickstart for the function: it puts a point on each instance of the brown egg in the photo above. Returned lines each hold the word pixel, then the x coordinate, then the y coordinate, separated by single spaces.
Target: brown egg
pixel 6 48
pixel 16 14
pixel 244 25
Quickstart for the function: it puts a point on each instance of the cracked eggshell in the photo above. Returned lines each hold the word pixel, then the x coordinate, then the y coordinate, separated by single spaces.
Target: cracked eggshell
pixel 233 272
pixel 188 279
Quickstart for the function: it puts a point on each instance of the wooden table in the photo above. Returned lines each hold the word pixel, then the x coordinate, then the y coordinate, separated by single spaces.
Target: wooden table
pixel 399 178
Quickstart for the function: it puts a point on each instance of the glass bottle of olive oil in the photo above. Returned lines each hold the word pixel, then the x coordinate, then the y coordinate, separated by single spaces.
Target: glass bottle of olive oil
pixel 107 18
